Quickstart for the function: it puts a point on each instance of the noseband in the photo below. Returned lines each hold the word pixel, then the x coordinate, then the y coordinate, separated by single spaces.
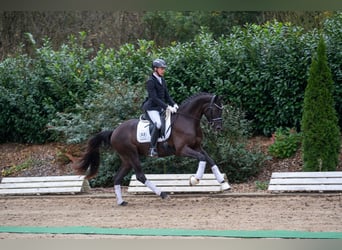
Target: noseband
pixel 212 119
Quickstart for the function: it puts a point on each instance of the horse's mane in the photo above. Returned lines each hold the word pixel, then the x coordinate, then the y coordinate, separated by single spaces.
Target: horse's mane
pixel 189 99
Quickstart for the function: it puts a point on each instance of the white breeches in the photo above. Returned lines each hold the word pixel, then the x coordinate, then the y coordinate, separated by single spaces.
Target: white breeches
pixel 155 117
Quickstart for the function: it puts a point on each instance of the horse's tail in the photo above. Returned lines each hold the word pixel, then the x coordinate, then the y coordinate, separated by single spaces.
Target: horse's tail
pixel 91 159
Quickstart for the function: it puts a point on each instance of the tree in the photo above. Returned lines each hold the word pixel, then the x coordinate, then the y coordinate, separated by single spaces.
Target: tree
pixel 321 134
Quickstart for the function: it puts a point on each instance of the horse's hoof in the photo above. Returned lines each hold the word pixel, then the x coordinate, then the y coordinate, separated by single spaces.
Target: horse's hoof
pixel 124 203
pixel 193 180
pixel 164 195
pixel 225 186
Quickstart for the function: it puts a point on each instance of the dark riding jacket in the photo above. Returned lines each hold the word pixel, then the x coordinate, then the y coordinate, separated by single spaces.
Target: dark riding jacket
pixel 158 97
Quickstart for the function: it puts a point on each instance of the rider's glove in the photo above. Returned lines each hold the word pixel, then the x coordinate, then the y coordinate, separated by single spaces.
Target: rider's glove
pixel 176 106
pixel 172 109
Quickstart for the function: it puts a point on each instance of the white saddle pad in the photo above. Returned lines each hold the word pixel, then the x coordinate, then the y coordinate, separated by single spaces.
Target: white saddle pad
pixel 143 131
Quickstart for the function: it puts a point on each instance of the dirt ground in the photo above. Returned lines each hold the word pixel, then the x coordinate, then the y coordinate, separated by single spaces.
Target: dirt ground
pixel 311 212
pixel 245 207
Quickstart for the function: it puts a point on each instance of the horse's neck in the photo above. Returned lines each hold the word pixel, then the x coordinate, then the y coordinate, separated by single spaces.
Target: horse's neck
pixel 195 108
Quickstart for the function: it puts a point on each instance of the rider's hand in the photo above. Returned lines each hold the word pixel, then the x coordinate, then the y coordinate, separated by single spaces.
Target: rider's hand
pixel 176 106
pixel 172 109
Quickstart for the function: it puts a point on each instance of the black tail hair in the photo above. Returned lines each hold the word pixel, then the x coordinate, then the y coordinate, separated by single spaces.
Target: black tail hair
pixel 91 159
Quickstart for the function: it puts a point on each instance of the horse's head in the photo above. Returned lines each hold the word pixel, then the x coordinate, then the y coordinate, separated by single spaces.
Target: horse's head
pixel 213 113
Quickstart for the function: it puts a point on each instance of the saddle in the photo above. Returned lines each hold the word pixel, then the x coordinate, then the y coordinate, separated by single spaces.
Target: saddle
pixel 145 126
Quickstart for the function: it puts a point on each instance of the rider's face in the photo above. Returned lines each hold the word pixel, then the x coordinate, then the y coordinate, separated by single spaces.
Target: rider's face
pixel 160 71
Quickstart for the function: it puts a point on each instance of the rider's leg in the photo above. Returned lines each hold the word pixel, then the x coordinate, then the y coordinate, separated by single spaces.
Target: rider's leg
pixel 155 117
pixel 154 139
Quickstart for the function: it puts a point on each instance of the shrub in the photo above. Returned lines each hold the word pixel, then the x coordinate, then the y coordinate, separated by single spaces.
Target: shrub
pixel 261 185
pixel 332 35
pixel 321 134
pixel 34 89
pixel 193 66
pixel 286 142
pixel 228 148
pixel 112 104
pixel 104 110
pixel 261 68
pixel 22 118
pixel 130 64
pixel 62 76
pixel 265 73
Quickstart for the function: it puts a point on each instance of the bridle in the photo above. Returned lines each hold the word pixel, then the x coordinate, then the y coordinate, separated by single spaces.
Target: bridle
pixel 212 119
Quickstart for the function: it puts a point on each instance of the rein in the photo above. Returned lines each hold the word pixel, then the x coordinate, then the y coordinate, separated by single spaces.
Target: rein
pixel 212 120
pixel 189 116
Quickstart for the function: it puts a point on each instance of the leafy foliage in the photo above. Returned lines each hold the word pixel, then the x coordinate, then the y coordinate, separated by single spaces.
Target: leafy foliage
pixel 266 69
pixel 104 110
pixel 286 143
pixel 228 147
pixel 321 134
pixel 70 92
pixel 260 68
pixel 34 89
pixel 332 39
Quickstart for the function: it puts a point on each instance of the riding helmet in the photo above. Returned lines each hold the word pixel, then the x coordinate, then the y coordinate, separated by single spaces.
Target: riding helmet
pixel 158 63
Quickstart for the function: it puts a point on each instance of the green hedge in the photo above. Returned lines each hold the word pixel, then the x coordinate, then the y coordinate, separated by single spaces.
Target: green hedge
pixel 263 69
pixel 34 89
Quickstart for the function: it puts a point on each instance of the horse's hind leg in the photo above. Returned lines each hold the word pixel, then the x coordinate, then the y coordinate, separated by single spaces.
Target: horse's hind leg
pixel 118 177
pixel 142 178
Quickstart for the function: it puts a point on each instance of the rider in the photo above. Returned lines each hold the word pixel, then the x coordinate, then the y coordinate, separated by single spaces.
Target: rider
pixel 158 100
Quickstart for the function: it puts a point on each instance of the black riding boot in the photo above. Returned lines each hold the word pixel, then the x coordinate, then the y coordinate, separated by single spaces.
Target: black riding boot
pixel 154 138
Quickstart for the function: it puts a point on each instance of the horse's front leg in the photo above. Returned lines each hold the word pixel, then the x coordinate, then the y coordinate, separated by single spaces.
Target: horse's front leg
pixel 203 159
pixel 216 171
pixel 195 179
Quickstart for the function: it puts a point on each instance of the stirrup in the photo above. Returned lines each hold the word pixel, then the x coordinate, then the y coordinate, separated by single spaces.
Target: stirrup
pixel 153 152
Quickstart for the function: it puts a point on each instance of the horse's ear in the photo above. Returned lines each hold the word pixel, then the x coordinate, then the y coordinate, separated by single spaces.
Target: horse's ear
pixel 216 98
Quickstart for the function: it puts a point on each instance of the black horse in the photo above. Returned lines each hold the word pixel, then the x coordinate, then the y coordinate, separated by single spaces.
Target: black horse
pixel 185 140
